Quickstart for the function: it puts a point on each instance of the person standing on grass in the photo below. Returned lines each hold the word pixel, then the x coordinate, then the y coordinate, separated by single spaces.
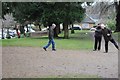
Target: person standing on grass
pixel 51 38
pixel 107 34
pixel 17 30
pixel 98 38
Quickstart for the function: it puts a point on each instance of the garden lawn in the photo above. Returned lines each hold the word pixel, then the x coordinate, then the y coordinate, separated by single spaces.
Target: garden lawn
pixel 78 41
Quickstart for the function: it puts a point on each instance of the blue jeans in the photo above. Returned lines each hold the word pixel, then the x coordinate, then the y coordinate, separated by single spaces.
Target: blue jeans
pixel 51 41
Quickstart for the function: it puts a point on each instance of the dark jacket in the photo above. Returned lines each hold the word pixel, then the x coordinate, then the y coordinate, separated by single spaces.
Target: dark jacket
pixel 51 33
pixel 98 32
pixel 106 31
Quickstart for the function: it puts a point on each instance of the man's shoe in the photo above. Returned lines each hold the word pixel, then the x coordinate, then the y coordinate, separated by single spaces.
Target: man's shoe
pixel 98 49
pixel 118 49
pixel 105 52
pixel 53 49
pixel 44 48
pixel 94 50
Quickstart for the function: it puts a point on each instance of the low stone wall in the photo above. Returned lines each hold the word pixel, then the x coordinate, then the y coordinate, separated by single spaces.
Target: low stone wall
pixel 38 33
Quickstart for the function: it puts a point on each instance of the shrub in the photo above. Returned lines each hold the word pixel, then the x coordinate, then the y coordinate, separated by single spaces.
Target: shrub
pixel 111 24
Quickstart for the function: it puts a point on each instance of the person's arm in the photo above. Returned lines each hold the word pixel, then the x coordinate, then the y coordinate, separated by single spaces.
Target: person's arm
pixel 109 32
pixel 98 30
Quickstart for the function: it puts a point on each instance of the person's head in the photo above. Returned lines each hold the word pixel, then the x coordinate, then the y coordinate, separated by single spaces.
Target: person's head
pixel 99 24
pixel 102 26
pixel 53 25
pixel 98 27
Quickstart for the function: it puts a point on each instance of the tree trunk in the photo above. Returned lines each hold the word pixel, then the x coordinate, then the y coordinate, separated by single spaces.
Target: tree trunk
pixel 63 28
pixel 66 31
pixel 57 30
pixel 27 28
pixel 116 5
pixel 39 27
pixel 38 24
pixel 22 32
pixel 118 18
pixel 2 34
pixel 72 30
pixel 8 35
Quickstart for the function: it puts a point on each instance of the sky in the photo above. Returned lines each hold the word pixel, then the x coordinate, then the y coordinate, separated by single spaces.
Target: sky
pixel 95 1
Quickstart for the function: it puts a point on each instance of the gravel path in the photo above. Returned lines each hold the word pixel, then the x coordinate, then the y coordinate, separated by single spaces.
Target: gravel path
pixel 32 62
pixel 0 62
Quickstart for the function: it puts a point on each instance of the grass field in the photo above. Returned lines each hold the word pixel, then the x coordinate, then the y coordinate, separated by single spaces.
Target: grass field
pixel 78 41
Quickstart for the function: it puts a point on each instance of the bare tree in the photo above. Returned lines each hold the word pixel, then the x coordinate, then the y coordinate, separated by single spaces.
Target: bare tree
pixel 105 10
pixel 8 23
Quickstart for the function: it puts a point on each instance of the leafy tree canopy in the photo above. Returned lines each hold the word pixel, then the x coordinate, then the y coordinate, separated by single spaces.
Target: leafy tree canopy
pixel 44 12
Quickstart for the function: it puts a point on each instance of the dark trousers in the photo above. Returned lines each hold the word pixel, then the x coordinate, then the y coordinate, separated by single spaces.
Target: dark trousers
pixel 106 44
pixel 97 44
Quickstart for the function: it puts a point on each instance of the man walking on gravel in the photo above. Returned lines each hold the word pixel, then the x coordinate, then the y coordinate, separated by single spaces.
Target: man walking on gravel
pixel 51 38
pixel 107 34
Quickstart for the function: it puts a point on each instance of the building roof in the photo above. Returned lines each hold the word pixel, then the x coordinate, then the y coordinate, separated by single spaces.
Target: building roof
pixel 91 18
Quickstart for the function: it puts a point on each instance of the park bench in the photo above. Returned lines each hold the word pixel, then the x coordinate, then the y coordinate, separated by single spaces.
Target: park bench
pixel 38 34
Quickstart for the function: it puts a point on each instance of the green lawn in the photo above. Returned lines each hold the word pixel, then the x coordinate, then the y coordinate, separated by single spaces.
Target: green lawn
pixel 78 41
